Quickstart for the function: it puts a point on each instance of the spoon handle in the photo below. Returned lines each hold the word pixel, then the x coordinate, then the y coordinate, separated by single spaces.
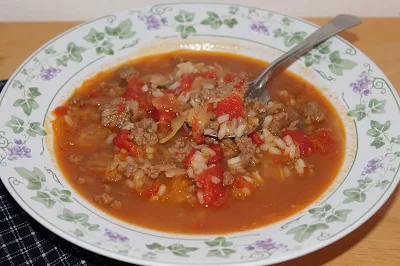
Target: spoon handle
pixel 336 25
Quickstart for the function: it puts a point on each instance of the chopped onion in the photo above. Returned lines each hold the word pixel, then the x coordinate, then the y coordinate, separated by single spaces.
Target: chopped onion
pixel 215 179
pixel 223 118
pixel 176 124
pixel 161 190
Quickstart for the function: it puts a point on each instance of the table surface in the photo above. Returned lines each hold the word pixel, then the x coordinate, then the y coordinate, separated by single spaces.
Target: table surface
pixel 377 242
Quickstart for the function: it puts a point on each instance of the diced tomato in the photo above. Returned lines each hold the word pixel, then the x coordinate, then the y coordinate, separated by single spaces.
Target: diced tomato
pixel 186 82
pixel 240 84
pixel 229 77
pixel 324 140
pixel 209 74
pixel 213 194
pixel 217 158
pixel 256 138
pixel 185 134
pixel 165 116
pixel 240 182
pixel 197 132
pixel 232 105
pixel 134 91
pixel 188 158
pixel 210 107
pixel 152 191
pixel 61 110
pixel 121 107
pixel 306 144
pixel 122 142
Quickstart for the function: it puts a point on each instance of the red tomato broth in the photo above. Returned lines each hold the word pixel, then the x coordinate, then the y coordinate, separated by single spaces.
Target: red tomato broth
pixel 277 199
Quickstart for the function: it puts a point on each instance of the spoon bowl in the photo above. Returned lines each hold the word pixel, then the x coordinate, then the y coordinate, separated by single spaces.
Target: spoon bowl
pixel 256 88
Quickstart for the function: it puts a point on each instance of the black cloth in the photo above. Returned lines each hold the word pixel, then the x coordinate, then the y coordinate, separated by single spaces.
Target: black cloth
pixel 23 241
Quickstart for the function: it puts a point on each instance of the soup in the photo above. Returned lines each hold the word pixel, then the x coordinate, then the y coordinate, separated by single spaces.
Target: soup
pixel 135 141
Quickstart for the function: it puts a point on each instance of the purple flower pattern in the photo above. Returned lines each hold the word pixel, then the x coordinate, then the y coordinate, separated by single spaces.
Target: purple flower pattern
pixel 18 150
pixel 114 236
pixel 260 27
pixel 372 166
pixel 265 245
pixel 49 73
pixel 362 85
pixel 152 21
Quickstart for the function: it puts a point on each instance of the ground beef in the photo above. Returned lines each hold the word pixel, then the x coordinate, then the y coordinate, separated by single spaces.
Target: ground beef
pixel 103 199
pixel 144 132
pixel 229 148
pixel 112 116
pixel 152 171
pixel 228 179
pixel 279 121
pixel 313 113
pixel 247 150
pixel 205 95
pixel 127 71
pixel 75 159
pixel 180 149
pixel 130 168
pixel 212 125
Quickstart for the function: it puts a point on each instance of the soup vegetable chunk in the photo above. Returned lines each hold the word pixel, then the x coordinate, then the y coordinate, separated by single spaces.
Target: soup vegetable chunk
pixel 134 141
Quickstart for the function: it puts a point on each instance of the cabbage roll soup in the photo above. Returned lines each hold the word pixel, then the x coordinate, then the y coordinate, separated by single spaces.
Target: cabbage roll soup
pixel 133 141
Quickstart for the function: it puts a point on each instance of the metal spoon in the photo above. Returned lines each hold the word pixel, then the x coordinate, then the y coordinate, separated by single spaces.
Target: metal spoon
pixel 256 87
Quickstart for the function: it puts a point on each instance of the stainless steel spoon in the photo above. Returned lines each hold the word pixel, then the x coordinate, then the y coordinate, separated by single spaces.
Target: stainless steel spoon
pixel 257 87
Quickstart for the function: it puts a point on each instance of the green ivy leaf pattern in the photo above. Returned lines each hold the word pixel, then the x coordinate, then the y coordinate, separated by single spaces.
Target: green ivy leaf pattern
pixel 105 48
pixel 377 128
pixel 358 113
pixel 354 194
pixel 35 177
pixel 122 31
pixel 33 92
pixel 16 124
pixel 35 129
pixel 62 61
pixel 395 140
pixel 220 248
pixel 69 216
pixel 338 215
pixel 377 142
pixel 397 153
pixel 17 84
pixel 77 233
pixel 212 20
pixel 185 16
pixel 363 183
pixel 323 48
pixel 44 198
pixel 295 38
pixel 75 52
pixel 377 107
pixel 64 195
pixel 180 250
pixel 286 21
pixel 94 36
pixel 185 30
pixel 382 184
pixel 320 212
pixel 49 50
pixel 304 231
pixel 27 105
pixel 219 241
pixel 338 64
pixel 230 22
pixel 221 253
pixel 155 246
pixel 311 58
